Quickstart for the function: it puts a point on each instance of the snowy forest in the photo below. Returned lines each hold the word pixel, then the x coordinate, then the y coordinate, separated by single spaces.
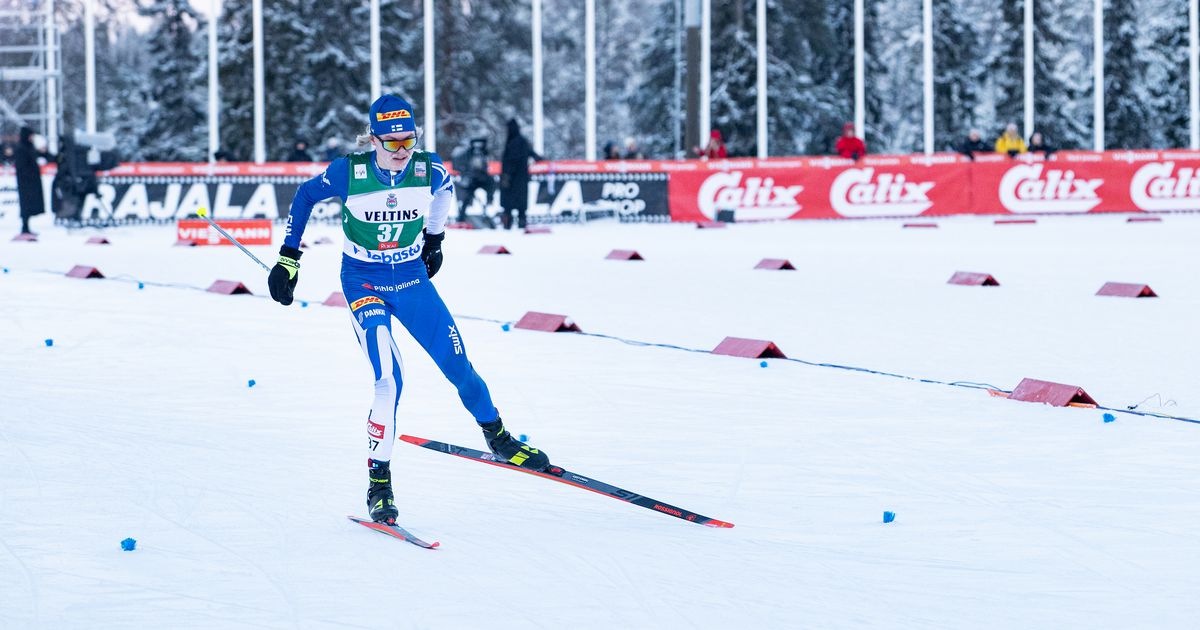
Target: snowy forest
pixel 152 72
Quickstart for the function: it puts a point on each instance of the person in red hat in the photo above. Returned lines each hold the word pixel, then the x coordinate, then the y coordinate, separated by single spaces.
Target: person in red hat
pixel 850 145
pixel 714 149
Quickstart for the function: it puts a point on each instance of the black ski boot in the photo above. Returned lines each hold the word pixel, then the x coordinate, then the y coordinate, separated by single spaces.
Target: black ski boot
pixel 510 449
pixel 380 500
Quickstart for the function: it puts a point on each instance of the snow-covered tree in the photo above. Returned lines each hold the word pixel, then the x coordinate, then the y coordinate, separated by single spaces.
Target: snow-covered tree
pixel 175 116
pixel 1126 119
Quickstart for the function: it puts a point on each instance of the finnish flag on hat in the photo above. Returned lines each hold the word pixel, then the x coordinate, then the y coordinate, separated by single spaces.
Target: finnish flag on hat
pixel 391 114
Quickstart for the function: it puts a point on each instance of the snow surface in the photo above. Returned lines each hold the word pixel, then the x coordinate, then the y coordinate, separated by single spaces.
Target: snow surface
pixel 138 422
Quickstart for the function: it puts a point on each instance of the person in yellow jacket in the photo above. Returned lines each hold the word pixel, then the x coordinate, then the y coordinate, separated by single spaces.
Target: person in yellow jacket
pixel 1010 141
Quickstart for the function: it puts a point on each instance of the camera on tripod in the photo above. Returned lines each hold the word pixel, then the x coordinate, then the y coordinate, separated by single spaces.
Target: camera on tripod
pixel 81 157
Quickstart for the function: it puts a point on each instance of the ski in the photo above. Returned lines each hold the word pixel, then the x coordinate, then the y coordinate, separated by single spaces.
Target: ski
pixel 557 473
pixel 395 531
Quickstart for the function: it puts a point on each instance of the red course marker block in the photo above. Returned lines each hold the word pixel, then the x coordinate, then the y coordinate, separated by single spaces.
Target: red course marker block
pixel 1149 219
pixel 748 348
pixel 24 236
pixel 83 271
pixel 973 279
pixel 920 225
pixel 623 254
pixel 1124 289
pixel 322 240
pixel 97 240
pixel 229 287
pixel 537 229
pixel 710 224
pixel 494 249
pixel 1014 221
pixel 774 263
pixel 1053 394
pixel 547 322
pixel 335 299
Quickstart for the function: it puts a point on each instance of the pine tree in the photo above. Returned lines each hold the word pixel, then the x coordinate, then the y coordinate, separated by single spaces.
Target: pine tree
pixel 176 120
pixel 484 75
pixel 1126 120
pixel 657 108
pixel 810 74
pixel 236 79
pixel 1163 41
pixel 563 88
pixel 894 96
pixel 733 75
pixel 1063 73
pixel 1000 24
pixel 958 73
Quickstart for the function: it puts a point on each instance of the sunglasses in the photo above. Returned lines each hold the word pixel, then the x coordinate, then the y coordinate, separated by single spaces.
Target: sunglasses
pixel 391 146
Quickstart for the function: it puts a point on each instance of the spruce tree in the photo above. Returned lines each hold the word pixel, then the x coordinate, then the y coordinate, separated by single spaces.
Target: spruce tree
pixel 175 118
pixel 1063 73
pixel 1126 119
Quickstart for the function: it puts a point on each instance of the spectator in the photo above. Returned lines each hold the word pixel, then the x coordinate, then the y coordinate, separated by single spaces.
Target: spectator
pixel 632 150
pixel 29 178
pixel 974 144
pixel 714 149
pixel 514 175
pixel 300 152
pixel 333 149
pixel 612 151
pixel 1010 142
pixel 850 145
pixel 1037 142
pixel 472 165
pixel 221 155
pixel 7 154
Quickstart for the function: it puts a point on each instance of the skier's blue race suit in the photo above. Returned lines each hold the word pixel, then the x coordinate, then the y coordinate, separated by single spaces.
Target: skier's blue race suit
pixel 384 215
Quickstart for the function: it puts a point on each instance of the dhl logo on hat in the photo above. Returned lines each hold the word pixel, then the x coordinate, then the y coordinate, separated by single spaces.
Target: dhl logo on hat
pixel 400 113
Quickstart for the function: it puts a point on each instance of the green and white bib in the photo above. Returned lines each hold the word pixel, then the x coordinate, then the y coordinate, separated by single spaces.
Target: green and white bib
pixel 384 222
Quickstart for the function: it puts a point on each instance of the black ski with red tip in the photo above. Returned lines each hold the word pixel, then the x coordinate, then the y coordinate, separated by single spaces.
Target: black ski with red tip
pixel 395 531
pixel 556 473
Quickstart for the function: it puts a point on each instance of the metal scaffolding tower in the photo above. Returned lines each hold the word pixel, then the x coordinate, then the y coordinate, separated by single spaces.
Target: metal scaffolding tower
pixel 30 70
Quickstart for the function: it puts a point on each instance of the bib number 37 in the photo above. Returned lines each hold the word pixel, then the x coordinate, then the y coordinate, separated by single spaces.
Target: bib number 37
pixel 389 232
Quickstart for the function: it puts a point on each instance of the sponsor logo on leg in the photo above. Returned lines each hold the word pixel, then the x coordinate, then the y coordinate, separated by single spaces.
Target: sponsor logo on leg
pixel 456 341
pixel 370 299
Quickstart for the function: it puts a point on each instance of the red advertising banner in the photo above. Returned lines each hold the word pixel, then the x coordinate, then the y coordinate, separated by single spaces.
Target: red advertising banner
pixel 906 186
pixel 248 231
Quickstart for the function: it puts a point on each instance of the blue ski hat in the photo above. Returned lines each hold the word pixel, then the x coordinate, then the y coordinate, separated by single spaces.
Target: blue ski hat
pixel 391 114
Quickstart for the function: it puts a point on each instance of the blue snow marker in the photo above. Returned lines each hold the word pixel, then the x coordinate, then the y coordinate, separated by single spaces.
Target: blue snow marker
pixel 523 437
pixel 251 383
pixel 141 286
pixel 505 327
pixel 303 304
pixel 6 270
pixel 49 343
pixel 128 544
pixel 888 517
pixel 762 364
pixel 1108 417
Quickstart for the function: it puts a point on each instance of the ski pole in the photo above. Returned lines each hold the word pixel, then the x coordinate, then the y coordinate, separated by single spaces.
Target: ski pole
pixel 203 212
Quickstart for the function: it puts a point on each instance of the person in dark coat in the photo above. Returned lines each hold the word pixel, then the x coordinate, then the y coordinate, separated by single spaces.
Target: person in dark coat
pixel 29 178
pixel 973 144
pixel 514 175
pixel 300 152
pixel 1038 142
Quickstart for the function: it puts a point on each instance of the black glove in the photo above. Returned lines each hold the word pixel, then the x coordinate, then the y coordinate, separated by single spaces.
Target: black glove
pixel 432 254
pixel 284 274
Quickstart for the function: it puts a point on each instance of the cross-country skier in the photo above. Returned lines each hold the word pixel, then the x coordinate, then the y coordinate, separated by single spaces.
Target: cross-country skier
pixel 395 200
